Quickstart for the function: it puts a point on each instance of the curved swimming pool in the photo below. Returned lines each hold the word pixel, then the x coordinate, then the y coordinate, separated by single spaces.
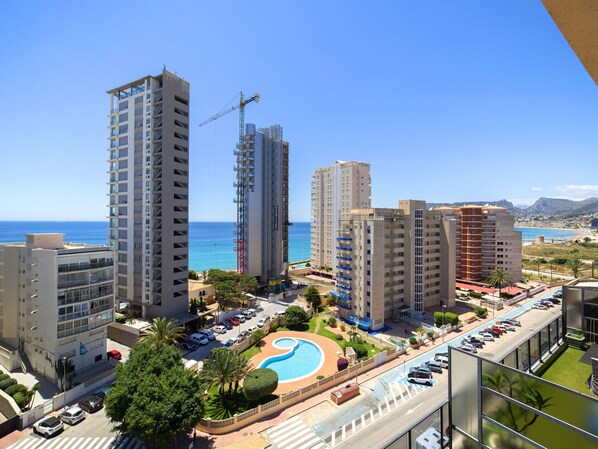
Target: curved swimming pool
pixel 303 359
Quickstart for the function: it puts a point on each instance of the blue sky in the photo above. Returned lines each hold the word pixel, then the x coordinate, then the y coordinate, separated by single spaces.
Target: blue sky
pixel 449 101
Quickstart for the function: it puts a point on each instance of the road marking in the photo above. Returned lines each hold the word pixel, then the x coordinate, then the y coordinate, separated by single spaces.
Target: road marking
pixel 35 442
pixel 294 434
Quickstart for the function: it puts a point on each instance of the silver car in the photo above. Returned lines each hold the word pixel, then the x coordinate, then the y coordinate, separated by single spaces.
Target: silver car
pixel 72 415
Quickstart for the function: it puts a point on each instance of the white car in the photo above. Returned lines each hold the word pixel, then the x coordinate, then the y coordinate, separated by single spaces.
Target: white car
pixel 485 336
pixel 252 329
pixel 207 333
pixel 72 415
pixel 263 320
pixel 278 313
pixel 539 306
pixel 467 348
pixel 253 312
pixel 507 326
pixel 48 427
pixel 199 339
pixel 240 318
pixel 220 330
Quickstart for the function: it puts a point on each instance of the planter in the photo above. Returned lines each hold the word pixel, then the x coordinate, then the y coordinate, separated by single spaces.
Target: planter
pixel 575 340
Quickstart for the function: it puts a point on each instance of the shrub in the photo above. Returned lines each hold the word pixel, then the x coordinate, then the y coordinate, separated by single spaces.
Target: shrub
pixel 475 295
pixel 451 318
pixel 320 377
pixel 412 341
pixel 22 399
pixel 13 389
pixel 343 327
pixel 295 315
pixel 338 337
pixel 480 311
pixel 7 383
pixel 332 321
pixel 438 318
pixel 273 326
pixel 342 363
pixel 120 318
pixel 4 376
pixel 259 383
pixel 430 335
pixel 359 348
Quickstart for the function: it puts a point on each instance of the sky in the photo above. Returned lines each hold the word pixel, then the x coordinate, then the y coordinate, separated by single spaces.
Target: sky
pixel 448 101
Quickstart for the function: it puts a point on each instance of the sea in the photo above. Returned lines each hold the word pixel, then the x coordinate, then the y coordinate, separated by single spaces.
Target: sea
pixel 210 243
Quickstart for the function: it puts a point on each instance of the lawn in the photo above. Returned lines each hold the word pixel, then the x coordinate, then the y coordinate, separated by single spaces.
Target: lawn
pixel 251 351
pixel 569 372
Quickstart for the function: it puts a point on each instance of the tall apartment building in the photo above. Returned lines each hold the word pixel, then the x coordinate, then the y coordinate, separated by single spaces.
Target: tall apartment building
pixel 393 262
pixel 149 193
pixel 485 240
pixel 267 214
pixel 335 190
pixel 56 301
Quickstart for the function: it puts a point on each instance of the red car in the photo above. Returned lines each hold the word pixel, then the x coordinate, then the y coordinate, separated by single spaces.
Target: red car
pixel 233 321
pixel 497 329
pixel 114 354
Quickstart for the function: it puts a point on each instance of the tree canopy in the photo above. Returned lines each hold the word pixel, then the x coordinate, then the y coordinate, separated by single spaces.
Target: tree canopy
pixel 312 296
pixel 163 331
pixel 259 383
pixel 295 315
pixel 155 396
pixel 500 278
pixel 230 287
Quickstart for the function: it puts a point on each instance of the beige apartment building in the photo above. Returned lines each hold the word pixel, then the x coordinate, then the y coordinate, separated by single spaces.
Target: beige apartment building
pixel 335 190
pixel 149 193
pixel 485 240
pixel 393 262
pixel 56 301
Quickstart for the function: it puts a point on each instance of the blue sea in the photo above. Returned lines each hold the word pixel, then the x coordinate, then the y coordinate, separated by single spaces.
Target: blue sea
pixel 210 243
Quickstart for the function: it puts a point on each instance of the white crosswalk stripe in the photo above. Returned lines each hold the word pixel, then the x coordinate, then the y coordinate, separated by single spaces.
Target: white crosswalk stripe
pixel 295 434
pixel 36 442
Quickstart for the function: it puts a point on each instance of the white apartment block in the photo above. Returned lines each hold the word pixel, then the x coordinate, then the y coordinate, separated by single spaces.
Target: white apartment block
pixel 266 243
pixel 335 190
pixel 149 193
pixel 485 240
pixel 392 263
pixel 56 301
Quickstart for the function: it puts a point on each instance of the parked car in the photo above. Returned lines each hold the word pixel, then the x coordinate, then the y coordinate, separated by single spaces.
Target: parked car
pixel 497 329
pixel 199 339
pixel 101 393
pixel 72 415
pixel 114 354
pixel 233 320
pixel 539 306
pixel 229 342
pixel 475 343
pixel 491 332
pixel 189 345
pixel 554 300
pixel 441 354
pixel 467 348
pixel 91 404
pixel 208 334
pixel 507 326
pixel 244 334
pixel 420 368
pixel 240 317
pixel 220 329
pixel 443 360
pixel 227 325
pixel 252 329
pixel 263 320
pixel 247 314
pixel 252 311
pixel 547 303
pixel 558 293
pixel 420 376
pixel 474 339
pixel 513 322
pixel 434 366
pixel 278 313
pixel 486 336
pixel 48 427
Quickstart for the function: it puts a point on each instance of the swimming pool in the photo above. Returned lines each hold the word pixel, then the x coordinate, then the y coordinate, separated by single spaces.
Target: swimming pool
pixel 303 359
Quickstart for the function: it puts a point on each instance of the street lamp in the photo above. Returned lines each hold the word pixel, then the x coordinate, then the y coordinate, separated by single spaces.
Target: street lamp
pixel 443 329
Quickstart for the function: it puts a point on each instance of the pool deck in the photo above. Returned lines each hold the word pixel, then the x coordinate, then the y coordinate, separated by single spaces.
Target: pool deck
pixel 329 347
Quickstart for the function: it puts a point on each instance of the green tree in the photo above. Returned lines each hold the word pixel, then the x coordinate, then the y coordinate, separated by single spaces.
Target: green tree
pixel 193 275
pixel 576 266
pixel 155 396
pixel 222 367
pixel 248 284
pixel 421 333
pixel 258 336
pixel 259 383
pixel 65 371
pixel 500 278
pixel 193 307
pixel 312 296
pixel 163 331
pixel 295 315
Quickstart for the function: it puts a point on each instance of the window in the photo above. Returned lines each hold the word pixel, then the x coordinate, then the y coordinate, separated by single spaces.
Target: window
pixel 123 129
pixel 123 164
pixel 123 140
pixel 123 152
pixel 123 105
pixel 123 117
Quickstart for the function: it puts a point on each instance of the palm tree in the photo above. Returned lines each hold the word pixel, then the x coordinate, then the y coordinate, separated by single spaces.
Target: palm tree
pixel 220 368
pixel 242 368
pixel 500 278
pixel 163 331
pixel 576 265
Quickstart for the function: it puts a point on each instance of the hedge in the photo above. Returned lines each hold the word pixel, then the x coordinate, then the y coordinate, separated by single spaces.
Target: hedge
pixel 413 341
pixel 451 318
pixel 359 348
pixel 7 383
pixel 13 389
pixel 475 295
pixel 4 376
pixel 120 318
pixel 438 321
pixel 22 399
pixel 480 311
pixel 259 383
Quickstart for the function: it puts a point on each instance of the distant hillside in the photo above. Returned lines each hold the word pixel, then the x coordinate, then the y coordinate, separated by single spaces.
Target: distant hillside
pixel 501 203
pixel 559 206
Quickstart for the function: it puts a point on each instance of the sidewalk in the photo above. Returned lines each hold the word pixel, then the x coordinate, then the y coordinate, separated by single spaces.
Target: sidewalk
pixel 233 439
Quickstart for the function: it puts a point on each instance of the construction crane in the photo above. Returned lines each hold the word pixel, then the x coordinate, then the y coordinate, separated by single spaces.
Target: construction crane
pixel 244 169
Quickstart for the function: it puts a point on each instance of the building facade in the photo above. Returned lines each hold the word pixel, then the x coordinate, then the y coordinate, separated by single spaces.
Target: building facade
pixel 335 190
pixel 149 193
pixel 580 308
pixel 56 300
pixel 266 243
pixel 485 240
pixel 393 262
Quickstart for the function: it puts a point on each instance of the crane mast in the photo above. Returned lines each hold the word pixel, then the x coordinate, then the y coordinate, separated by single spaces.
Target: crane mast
pixel 245 177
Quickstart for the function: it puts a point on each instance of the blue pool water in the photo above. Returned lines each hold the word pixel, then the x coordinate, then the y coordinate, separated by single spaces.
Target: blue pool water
pixel 302 359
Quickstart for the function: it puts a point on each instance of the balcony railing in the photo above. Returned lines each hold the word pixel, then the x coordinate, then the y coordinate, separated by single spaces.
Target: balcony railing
pixel 65 268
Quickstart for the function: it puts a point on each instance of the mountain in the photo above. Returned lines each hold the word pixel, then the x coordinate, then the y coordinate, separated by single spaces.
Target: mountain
pixel 501 203
pixel 559 206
